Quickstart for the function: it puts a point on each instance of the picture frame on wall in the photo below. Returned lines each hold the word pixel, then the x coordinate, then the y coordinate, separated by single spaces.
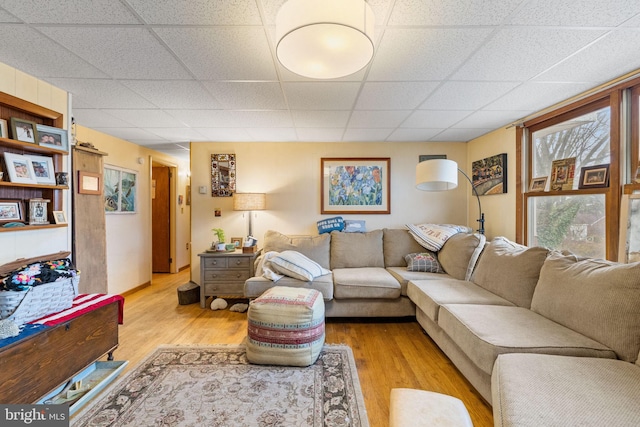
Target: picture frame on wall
pixel 489 175
pixel 562 174
pixel 11 211
pixel 538 184
pixel 594 177
pixel 356 185
pixel 24 130
pixel 52 137
pixel 89 183
pixel 120 190
pixel 43 171
pixel 19 168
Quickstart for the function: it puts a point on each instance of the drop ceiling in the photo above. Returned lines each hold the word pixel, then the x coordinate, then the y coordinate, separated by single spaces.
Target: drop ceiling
pixel 164 73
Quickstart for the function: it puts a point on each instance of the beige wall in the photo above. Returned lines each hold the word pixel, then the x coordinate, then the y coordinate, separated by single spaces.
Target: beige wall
pixel 290 175
pixel 129 248
pixel 23 244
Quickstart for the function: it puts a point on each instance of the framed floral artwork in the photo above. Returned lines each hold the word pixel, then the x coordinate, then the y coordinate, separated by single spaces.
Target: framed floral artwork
pixel 355 185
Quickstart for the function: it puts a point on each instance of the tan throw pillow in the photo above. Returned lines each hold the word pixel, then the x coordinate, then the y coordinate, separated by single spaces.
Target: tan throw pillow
pixel 598 298
pixel 510 270
pixel 350 250
pixel 314 247
pixel 459 254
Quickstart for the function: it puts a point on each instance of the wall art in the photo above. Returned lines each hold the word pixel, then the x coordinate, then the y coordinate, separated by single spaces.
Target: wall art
pixel 120 190
pixel 489 175
pixel 223 175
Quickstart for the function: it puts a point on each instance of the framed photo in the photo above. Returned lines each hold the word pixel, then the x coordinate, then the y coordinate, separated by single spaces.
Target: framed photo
pixel 4 129
pixel 19 168
pixel 42 167
pixel 237 241
pixel 51 137
pixel 490 175
pixel 89 183
pixel 120 190
pixel 594 177
pixel 59 217
pixel 11 211
pixel 562 173
pixel 24 130
pixel 538 184
pixel 356 185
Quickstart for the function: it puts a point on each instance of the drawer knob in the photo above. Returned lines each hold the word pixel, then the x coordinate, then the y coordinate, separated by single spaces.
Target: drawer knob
pixel 238 262
pixel 238 275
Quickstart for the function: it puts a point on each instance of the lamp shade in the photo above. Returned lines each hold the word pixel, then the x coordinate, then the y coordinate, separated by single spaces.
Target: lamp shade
pixel 324 39
pixel 436 175
pixel 249 201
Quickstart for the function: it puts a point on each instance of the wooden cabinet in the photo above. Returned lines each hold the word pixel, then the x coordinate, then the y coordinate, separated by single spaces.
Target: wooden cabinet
pixel 224 273
pixel 11 106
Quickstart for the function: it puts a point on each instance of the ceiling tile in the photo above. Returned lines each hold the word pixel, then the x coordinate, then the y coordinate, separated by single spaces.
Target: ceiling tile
pixel 377 119
pixel 248 95
pixel 174 94
pixel 319 119
pixel 7 17
pixel 265 119
pixel 434 118
pixel 423 54
pixel 319 135
pixel 321 95
pixel 468 95
pixel 97 93
pixel 273 134
pixel 125 53
pixel 204 118
pixel 459 12
pixel 394 95
pixel 490 119
pixel 410 135
pixel 576 13
pixel 198 12
pixel 364 135
pixel 70 11
pixel 462 135
pixel 535 96
pixel 94 118
pixel 518 54
pixel 47 59
pixel 222 53
pixel 147 118
pixel 176 134
pixel 129 134
pixel 224 134
pixel 618 50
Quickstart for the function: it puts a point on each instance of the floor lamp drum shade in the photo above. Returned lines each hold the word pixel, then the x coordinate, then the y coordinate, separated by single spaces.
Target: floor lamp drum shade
pixel 249 201
pixel 325 39
pixel 437 175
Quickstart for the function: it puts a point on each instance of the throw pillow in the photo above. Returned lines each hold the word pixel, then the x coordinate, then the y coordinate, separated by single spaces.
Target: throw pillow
pixel 298 266
pixel 424 261
pixel 434 236
pixel 314 247
pixel 330 224
pixel 354 226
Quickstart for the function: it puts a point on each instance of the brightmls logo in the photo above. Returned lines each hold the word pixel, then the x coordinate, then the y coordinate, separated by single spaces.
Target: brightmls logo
pixel 34 415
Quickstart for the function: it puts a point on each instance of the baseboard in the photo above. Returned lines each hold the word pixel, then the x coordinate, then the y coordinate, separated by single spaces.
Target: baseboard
pixel 136 289
pixel 184 267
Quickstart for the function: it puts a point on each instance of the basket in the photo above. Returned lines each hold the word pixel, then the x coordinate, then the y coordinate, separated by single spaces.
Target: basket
pixel 38 301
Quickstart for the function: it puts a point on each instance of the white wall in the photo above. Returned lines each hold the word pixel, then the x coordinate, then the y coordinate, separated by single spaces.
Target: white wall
pixel 290 175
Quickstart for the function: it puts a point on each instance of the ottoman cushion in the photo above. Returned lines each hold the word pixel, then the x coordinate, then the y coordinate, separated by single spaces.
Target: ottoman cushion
pixel 286 327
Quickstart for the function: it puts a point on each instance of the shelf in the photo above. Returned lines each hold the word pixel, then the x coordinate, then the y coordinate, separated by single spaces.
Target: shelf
pixel 31 227
pixel 17 184
pixel 28 146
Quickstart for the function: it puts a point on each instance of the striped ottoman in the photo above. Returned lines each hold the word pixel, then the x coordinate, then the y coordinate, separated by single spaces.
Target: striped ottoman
pixel 286 327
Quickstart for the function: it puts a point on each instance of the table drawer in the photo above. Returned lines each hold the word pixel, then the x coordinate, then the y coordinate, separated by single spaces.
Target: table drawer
pixel 225 275
pixel 218 262
pixel 218 289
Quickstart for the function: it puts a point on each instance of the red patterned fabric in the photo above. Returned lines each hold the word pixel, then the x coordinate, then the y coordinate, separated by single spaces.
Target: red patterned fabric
pixel 82 304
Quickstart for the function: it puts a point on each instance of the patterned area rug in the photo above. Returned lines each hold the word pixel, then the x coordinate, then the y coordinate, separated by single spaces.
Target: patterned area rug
pixel 217 386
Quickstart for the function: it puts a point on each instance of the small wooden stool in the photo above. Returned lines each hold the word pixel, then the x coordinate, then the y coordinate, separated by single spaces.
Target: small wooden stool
pixel 189 293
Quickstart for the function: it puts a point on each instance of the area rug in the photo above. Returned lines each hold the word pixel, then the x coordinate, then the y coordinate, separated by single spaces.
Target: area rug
pixel 217 386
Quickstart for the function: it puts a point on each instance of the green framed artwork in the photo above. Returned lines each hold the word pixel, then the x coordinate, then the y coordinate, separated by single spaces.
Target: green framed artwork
pixel 119 190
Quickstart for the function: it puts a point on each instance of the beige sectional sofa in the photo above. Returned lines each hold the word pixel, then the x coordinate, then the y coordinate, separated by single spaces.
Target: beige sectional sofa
pixel 547 338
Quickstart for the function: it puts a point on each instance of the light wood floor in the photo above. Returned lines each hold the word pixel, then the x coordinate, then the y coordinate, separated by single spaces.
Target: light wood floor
pixel 389 353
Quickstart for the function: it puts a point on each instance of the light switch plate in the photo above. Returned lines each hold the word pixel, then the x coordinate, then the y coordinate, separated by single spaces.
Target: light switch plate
pixel 202 189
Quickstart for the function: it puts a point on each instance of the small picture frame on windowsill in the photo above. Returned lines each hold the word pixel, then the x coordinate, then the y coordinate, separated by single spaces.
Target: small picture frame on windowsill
pixel 538 184
pixel 594 177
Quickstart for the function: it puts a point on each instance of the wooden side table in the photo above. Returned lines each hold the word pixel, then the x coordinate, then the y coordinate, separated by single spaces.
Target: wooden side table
pixel 224 273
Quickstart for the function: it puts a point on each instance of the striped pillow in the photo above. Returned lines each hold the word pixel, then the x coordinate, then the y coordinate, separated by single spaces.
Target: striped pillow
pixel 433 236
pixel 296 265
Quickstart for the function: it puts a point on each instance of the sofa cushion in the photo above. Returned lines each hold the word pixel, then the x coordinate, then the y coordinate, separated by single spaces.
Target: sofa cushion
pixel 484 331
pixel 598 298
pixel 429 295
pixel 366 282
pixel 396 244
pixel 314 247
pixel 402 275
pixel 510 270
pixel 349 250
pixel 459 254
pixel 256 286
pixel 423 261
pixel 531 390
pixel 296 265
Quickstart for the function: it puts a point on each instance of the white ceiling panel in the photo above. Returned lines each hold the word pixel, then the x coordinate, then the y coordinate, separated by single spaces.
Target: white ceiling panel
pixel 413 135
pixel 423 54
pixel 198 12
pixel 576 13
pixel 272 134
pixel 204 118
pixel 534 96
pixel 176 134
pixel 98 12
pixel 394 95
pixel 321 95
pixel 363 135
pixel 182 94
pixel 147 118
pixel 319 135
pixel 361 119
pixel 101 93
pixel 460 134
pixel 469 95
pixel 131 134
pixel 459 12
pixel 224 134
pixel 318 119
pixel 434 118
pixel 265 119
pixel 7 17
pixel 222 53
pixel 489 119
pixel 123 53
pixel 248 95
pixel 95 118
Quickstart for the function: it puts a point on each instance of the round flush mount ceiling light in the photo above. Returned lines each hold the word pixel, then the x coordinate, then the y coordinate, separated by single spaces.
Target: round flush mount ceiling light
pixel 324 39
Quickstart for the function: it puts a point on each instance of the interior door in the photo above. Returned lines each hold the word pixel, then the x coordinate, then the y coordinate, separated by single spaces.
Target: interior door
pixel 161 241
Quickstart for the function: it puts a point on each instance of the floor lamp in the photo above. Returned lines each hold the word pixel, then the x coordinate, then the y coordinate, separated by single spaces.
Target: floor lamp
pixel 249 202
pixel 441 175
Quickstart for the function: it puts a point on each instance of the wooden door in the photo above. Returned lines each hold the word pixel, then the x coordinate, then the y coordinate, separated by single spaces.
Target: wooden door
pixel 161 241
